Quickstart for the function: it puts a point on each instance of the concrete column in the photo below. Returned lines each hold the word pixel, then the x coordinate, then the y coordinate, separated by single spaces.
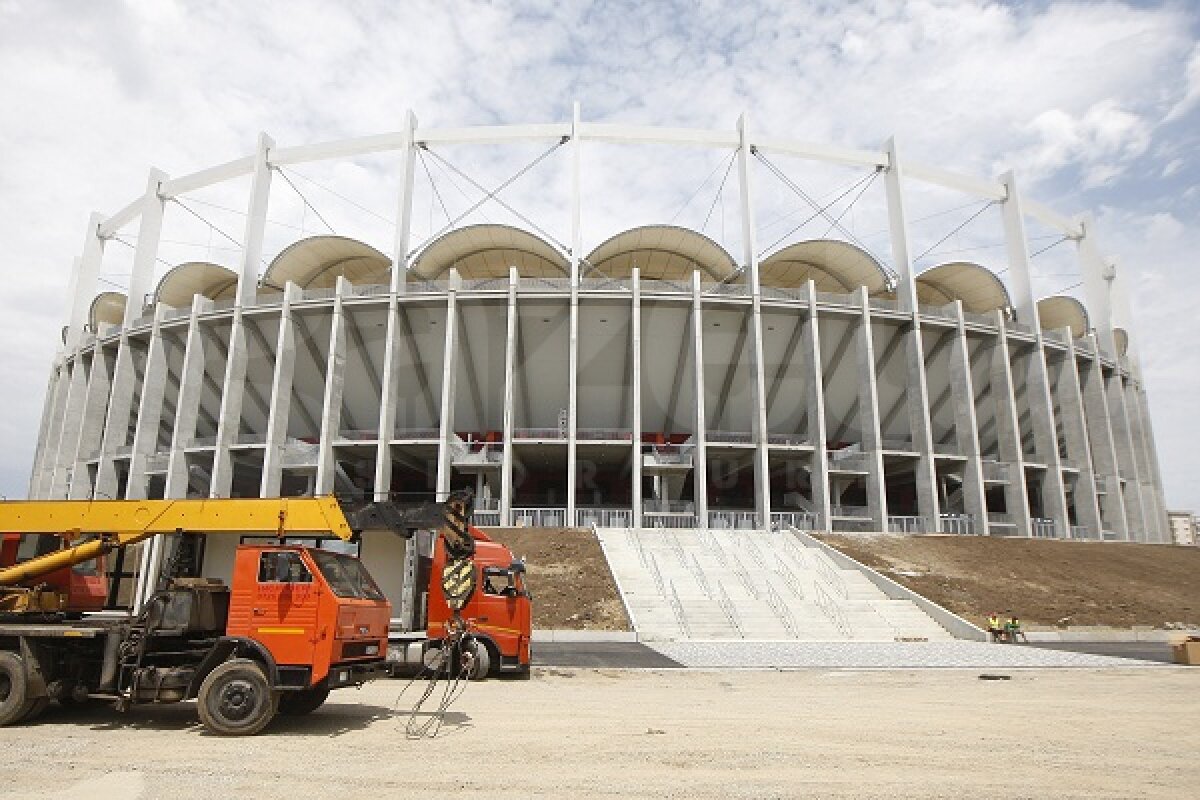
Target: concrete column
pixel 141 280
pixel 116 421
pixel 906 292
pixel 282 399
pixel 510 381
pixel 335 384
pixel 1150 508
pixel 811 341
pixel 868 409
pixel 1041 403
pixel 390 380
pixel 256 222
pixel 1155 469
pixel 762 457
pixel 1135 512
pixel 966 423
pixel 150 408
pixel 699 439
pixel 51 417
pixel 187 404
pixel 68 443
pixel 91 431
pixel 229 419
pixel 635 336
pixel 573 352
pixel 449 378
pixel 1103 443
pixel 83 281
pixel 1070 398
pixel 1008 430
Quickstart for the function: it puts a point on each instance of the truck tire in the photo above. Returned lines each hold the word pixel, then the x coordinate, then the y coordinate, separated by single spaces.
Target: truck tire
pixel 14 689
pixel 36 707
pixel 236 699
pixel 296 704
pixel 483 661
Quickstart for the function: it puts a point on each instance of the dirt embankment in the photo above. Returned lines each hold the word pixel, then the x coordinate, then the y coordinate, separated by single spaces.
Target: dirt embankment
pixel 1045 582
pixel 569 578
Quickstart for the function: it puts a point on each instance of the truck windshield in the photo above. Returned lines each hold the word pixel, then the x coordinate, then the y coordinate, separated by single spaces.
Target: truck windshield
pixel 346 575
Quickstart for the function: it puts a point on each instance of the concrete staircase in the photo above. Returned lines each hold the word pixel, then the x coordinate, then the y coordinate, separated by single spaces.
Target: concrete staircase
pixel 751 585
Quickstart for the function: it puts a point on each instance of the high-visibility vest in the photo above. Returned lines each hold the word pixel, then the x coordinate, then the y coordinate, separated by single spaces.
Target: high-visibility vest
pixel 1013 622
pixel 993 622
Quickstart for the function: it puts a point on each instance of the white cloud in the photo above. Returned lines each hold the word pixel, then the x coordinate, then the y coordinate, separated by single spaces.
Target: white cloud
pixel 1067 94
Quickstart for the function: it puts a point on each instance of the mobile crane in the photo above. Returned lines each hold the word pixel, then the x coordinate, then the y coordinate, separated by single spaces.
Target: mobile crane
pixel 295 623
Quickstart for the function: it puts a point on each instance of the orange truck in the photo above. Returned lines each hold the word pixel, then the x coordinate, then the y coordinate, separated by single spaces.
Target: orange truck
pixel 295 623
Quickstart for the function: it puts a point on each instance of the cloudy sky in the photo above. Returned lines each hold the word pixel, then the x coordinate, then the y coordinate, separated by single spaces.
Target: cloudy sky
pixel 1095 105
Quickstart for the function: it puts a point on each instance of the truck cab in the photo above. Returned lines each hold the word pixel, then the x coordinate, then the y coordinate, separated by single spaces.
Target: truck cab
pixel 499 613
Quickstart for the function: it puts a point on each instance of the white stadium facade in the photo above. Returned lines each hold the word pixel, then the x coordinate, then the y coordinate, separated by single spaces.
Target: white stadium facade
pixel 649 379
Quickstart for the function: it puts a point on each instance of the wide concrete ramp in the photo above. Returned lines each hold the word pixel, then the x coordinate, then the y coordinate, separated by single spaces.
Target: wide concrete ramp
pixel 751 585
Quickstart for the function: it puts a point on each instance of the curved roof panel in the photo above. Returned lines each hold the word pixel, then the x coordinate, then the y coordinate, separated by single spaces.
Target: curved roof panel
pixel 1062 311
pixel 317 262
pixel 108 308
pixel 1121 340
pixel 833 265
pixel 183 282
pixel 662 252
pixel 488 251
pixel 977 287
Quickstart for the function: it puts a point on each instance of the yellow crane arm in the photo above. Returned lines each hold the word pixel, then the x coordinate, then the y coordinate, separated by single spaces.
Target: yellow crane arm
pixel 119 523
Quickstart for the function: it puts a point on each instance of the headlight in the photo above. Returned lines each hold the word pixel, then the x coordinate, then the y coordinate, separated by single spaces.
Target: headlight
pixel 372 650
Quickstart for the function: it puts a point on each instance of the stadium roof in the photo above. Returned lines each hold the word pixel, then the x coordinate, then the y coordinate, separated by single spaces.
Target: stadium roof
pixel 108 308
pixel 833 265
pixel 1061 311
pixel 977 287
pixel 662 252
pixel 488 251
pixel 183 282
pixel 317 262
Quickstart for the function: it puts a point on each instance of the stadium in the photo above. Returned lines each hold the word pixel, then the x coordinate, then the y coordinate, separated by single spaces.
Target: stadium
pixel 650 378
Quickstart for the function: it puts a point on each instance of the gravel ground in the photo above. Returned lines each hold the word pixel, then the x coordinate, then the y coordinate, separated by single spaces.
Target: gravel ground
pixel 659 734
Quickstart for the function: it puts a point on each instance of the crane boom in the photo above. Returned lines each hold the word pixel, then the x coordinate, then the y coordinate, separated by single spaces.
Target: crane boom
pixel 119 523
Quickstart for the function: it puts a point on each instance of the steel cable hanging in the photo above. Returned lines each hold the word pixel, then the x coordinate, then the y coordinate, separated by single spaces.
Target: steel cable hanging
pixel 450 179
pixel 958 228
pixel 821 210
pixel 437 194
pixel 720 189
pixel 700 188
pixel 493 194
pixel 303 199
pixel 198 216
pixel 804 195
pixel 343 197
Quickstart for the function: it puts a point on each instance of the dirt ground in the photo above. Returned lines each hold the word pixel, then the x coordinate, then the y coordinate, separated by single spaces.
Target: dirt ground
pixel 656 734
pixel 1045 582
pixel 569 578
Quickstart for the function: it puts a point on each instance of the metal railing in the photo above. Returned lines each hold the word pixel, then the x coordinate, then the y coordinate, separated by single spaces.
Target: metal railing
pixel 730 610
pixel 775 602
pixel 701 579
pixel 540 433
pixel 777 293
pixel 726 289
pixel 787 438
pixel 605 285
pixel 1083 532
pixel 899 523
pixel 669 506
pixel 743 520
pixel 789 577
pixel 677 607
pixel 832 611
pixel 417 433
pixel 963 524
pixel 604 434
pixel 656 520
pixel 802 520
pixel 540 517
pixel 426 287
pixel 484 285
pixel 359 434
pixel 318 294
pixel 1044 528
pixel 534 285
pixel 487 518
pixel 605 517
pixel 828 574
pixel 656 286
pixel 1000 518
pixel 739 571
pixel 655 573
pixel 835 298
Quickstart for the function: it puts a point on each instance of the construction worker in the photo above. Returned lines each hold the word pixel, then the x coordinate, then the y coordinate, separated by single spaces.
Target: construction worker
pixel 993 627
pixel 1012 628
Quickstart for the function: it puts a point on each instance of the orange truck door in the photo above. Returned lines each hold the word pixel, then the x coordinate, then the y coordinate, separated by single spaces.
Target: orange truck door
pixel 284 607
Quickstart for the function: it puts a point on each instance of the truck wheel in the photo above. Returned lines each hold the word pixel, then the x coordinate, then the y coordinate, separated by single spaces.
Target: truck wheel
pixel 35 709
pixel 14 688
pixel 295 704
pixel 236 699
pixel 483 661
